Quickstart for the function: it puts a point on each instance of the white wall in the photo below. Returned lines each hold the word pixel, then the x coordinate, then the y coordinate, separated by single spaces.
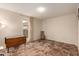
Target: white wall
pixel 13 25
pixel 78 34
pixel 36 25
pixel 78 24
pixel 63 28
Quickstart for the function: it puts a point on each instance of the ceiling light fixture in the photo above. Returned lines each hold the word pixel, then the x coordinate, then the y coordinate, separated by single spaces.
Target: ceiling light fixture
pixel 41 9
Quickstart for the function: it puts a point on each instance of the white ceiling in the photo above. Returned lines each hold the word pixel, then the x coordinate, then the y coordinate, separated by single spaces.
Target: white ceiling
pixel 29 9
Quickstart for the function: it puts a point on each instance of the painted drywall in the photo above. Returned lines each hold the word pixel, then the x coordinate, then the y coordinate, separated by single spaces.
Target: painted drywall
pixel 78 34
pixel 63 28
pixel 36 28
pixel 13 25
pixel 78 23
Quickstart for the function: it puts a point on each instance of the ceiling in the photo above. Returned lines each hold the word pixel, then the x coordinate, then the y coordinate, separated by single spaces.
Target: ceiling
pixel 29 9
